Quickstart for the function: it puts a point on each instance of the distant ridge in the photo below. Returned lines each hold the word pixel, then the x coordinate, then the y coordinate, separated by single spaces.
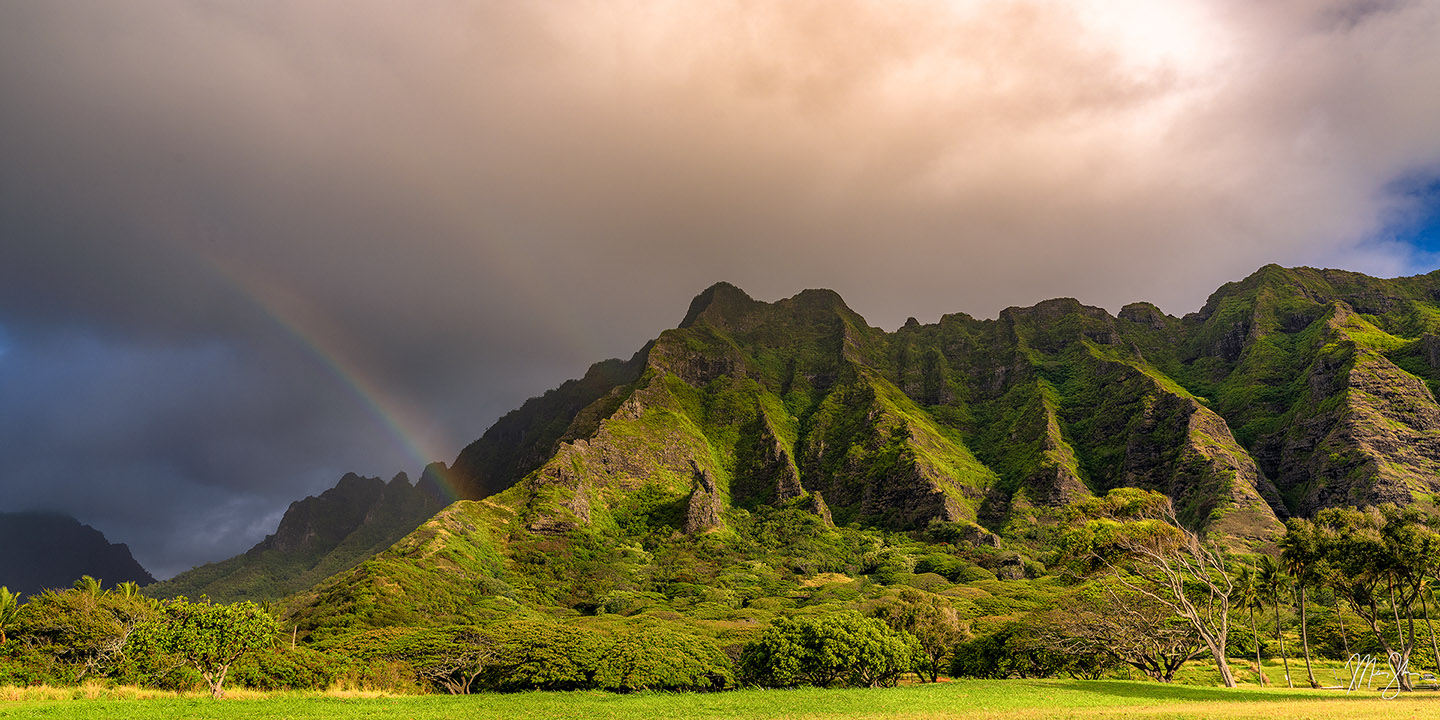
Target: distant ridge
pixel 48 550
pixel 318 537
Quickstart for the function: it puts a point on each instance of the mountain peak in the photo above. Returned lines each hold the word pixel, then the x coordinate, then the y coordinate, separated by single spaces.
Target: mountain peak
pixel 718 302
pixel 46 550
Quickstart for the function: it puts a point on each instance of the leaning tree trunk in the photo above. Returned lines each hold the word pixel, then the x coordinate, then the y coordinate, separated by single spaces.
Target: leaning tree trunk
pixel 1281 638
pixel 1217 651
pixel 1305 641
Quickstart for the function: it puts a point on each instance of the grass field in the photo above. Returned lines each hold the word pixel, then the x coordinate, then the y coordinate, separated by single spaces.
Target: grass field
pixel 959 699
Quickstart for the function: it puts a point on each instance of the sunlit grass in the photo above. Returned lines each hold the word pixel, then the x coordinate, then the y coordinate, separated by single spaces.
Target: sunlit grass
pixel 959 699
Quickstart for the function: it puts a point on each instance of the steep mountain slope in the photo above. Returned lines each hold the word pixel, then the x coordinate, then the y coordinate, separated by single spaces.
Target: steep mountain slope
pixel 1290 391
pixel 749 414
pixel 525 438
pixel 1327 376
pixel 318 537
pixel 44 550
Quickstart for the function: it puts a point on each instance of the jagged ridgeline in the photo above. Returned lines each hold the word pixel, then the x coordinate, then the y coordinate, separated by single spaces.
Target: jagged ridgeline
pixel 982 423
pixel 1290 391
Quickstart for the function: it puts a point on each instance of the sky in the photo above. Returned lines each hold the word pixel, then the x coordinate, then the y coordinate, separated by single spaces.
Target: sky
pixel 248 246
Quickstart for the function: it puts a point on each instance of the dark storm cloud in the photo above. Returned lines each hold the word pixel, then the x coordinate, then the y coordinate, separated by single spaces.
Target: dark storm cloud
pixel 231 230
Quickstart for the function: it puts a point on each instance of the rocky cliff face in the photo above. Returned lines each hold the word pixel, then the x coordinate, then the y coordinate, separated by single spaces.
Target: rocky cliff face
pixel 1326 378
pixel 1292 390
pixel 43 550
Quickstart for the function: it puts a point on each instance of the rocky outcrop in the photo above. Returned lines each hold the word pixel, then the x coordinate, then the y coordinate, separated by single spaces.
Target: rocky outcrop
pixel 765 469
pixel 1379 443
pixel 876 460
pixel 816 505
pixel 703 512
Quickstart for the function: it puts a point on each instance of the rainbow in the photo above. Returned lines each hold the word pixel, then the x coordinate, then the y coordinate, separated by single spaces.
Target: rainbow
pixel 308 327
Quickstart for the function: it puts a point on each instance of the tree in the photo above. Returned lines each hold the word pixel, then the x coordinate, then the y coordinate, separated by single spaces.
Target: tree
pixel 1121 624
pixel 1157 558
pixel 546 656
pixel 654 658
pixel 933 622
pixel 79 632
pixel 1274 585
pixel 128 590
pixel 1380 554
pixel 1016 650
pixel 208 637
pixel 1427 594
pixel 1248 595
pixel 89 585
pixel 449 658
pixel 9 608
pixel 1300 554
pixel 842 648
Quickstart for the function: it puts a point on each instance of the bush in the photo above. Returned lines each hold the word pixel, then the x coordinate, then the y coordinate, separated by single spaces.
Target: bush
pixel 658 659
pixel 839 649
pixel 543 656
pixel 288 669
pixel 954 569
pixel 76 634
pixel 1009 653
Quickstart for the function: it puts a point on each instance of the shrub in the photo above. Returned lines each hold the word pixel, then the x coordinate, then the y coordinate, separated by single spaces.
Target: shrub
pixel 1010 652
pixel 838 649
pixel 288 668
pixel 543 656
pixel 659 659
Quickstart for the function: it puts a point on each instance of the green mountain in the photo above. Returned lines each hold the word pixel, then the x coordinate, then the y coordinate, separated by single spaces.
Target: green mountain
pixel 763 456
pixel 988 424
pixel 318 537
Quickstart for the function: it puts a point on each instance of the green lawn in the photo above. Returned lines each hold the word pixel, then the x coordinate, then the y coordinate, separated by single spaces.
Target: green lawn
pixel 959 699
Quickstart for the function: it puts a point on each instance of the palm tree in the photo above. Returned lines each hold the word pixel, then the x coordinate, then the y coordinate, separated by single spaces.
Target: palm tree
pixel 1299 553
pixel 128 590
pixel 1274 583
pixel 9 608
pixel 1247 586
pixel 89 586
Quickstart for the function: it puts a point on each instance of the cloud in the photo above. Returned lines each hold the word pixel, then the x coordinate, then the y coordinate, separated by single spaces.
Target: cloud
pixel 263 229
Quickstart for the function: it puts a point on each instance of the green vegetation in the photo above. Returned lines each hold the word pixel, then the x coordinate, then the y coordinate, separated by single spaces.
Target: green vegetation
pixel 961 699
pixel 777 494
pixel 209 638
pixel 844 649
pixel 319 537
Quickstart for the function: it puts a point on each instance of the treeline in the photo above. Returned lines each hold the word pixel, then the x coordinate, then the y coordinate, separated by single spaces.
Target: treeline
pixel 118 635
pixel 1157 596
pixel 64 637
pixel 1131 591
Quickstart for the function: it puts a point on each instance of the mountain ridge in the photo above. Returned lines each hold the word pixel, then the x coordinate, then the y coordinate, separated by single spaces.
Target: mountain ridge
pixel 1288 391
pixel 52 550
